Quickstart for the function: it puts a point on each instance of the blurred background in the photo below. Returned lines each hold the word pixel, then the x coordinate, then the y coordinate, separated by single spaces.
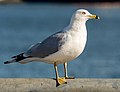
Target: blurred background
pixel 26 22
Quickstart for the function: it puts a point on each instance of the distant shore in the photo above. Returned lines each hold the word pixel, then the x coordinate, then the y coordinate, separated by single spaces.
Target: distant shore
pixel 87 4
pixel 10 1
pixel 99 4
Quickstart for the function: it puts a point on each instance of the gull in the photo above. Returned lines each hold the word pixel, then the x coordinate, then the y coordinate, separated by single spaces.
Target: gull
pixel 61 47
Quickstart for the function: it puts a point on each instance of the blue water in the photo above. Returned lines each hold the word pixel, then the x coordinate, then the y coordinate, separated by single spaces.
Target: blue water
pixel 25 24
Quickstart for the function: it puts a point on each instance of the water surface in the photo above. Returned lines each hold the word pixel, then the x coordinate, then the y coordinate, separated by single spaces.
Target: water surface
pixel 25 24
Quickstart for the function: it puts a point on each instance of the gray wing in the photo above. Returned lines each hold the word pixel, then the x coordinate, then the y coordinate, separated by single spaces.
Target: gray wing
pixel 49 46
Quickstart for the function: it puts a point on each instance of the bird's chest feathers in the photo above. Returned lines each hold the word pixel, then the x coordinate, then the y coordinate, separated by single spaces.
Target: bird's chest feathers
pixel 74 45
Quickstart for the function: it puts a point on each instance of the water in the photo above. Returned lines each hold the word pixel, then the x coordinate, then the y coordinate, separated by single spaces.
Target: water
pixel 26 24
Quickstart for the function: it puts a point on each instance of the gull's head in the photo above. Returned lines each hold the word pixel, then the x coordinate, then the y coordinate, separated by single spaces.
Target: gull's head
pixel 84 15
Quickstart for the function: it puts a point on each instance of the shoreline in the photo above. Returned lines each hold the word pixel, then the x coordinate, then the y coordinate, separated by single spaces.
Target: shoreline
pixel 87 4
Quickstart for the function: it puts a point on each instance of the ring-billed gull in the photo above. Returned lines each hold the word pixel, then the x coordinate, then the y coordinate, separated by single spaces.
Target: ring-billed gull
pixel 60 47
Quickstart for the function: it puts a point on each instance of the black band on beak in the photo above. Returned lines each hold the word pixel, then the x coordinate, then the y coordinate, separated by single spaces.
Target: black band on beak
pixel 97 17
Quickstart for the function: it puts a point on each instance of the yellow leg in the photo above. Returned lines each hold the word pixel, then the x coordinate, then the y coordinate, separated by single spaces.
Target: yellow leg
pixel 59 81
pixel 65 71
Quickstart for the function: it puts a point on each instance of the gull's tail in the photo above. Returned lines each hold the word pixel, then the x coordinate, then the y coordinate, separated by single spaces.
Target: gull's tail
pixel 16 58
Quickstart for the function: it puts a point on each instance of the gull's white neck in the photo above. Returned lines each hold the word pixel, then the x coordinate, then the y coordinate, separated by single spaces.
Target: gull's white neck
pixel 77 24
pixel 77 29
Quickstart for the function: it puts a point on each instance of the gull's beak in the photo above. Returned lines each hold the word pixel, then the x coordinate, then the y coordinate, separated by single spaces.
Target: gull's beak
pixel 93 17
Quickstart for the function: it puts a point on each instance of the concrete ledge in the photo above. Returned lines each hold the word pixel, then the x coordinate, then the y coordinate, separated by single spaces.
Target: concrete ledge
pixel 49 85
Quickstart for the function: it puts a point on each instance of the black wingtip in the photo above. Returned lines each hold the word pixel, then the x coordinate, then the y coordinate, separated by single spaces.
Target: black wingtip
pixel 7 62
pixel 19 55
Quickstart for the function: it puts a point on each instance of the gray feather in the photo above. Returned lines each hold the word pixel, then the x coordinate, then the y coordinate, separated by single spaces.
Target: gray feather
pixel 49 46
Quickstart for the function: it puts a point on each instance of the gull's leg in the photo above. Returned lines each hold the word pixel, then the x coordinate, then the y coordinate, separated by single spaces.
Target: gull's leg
pixel 65 71
pixel 59 81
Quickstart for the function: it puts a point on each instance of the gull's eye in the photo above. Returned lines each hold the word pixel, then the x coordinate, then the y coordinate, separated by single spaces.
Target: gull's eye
pixel 83 13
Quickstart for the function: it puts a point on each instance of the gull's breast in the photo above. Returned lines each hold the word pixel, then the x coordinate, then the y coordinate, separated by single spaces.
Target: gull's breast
pixel 75 47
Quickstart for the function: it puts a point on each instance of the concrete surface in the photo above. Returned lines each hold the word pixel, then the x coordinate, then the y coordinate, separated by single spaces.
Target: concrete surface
pixel 49 85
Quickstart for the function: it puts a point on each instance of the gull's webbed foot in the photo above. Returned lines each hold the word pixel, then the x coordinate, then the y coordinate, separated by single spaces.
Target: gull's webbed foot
pixel 60 81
